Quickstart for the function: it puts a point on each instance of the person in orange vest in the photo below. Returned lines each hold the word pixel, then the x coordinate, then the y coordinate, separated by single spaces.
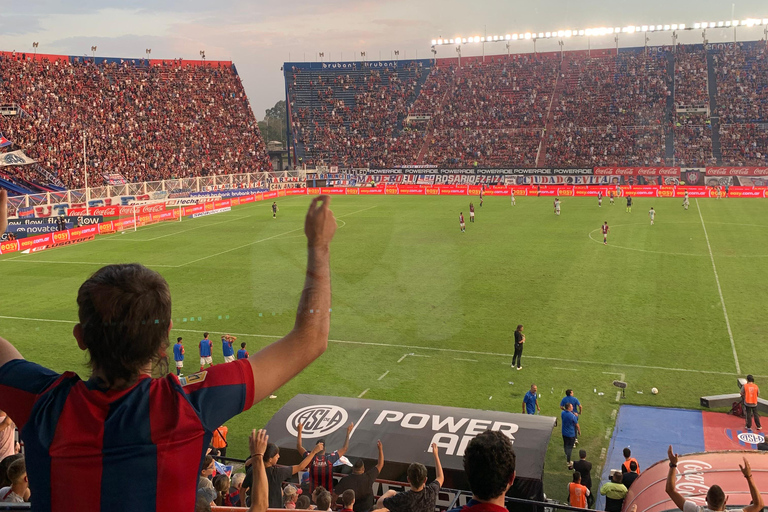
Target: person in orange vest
pixel 577 493
pixel 749 393
pixel 219 441
pixel 627 460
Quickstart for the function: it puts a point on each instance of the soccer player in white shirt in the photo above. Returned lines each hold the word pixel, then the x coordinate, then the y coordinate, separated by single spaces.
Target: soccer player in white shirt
pixel 512 195
pixel 652 214
pixel 557 206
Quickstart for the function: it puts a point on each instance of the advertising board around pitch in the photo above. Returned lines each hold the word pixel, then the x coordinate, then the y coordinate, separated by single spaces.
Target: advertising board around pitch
pixel 407 431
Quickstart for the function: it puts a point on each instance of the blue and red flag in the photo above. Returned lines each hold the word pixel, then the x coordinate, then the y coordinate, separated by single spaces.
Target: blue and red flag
pixel 4 143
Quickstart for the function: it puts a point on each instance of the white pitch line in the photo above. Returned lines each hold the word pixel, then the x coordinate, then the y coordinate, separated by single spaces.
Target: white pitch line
pixel 401 359
pixel 436 349
pixel 602 454
pixel 129 239
pixel 363 393
pixel 613 414
pixel 462 359
pixel 608 433
pixel 262 240
pixel 15 260
pixel 720 291
pixel 383 375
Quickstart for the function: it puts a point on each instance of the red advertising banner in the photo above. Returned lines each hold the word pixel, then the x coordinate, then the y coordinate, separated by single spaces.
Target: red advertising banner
pixel 87 231
pixel 391 190
pixel 737 171
pixel 60 236
pixel 6 247
pixel 115 211
pixel 314 191
pixel 296 192
pixel 352 191
pixel 281 193
pixel 746 192
pixel 412 190
pixel 248 199
pixel 432 191
pixel 269 195
pixel 35 241
pixel 376 191
pixel 636 171
pixel 222 204
pixel 334 190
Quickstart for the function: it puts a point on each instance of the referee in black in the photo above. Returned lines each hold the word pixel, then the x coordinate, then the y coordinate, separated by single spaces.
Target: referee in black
pixel 519 340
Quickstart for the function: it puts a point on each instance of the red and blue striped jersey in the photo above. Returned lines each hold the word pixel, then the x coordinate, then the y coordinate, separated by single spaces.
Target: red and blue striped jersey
pixel 321 470
pixel 141 448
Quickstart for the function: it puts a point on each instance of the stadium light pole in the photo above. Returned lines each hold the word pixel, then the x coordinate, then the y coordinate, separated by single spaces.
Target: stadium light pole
pixel 362 55
pixel 507 50
pixel 561 43
pixel 458 52
pixel 397 54
pixel 434 54
pixel 85 171
pixel 93 52
pixel 34 46
pixel 616 39
pixel 202 54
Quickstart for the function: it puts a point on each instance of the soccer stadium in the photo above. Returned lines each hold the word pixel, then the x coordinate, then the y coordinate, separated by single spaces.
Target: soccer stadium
pixel 522 271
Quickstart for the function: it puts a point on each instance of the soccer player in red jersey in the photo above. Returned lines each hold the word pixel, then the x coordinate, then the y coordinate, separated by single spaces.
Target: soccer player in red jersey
pixel 123 441
pixel 599 199
pixel 461 221
pixel 481 195
pixel 471 212
pixel 605 230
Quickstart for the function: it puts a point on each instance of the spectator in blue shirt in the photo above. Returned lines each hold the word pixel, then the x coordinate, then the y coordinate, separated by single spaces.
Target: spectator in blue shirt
pixel 242 353
pixel 570 428
pixel 531 401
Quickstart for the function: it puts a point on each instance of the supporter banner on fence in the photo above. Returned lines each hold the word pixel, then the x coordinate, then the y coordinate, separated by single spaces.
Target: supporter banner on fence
pixel 637 171
pixel 114 179
pixel 498 171
pixel 737 171
pixel 407 432
pixel 15 158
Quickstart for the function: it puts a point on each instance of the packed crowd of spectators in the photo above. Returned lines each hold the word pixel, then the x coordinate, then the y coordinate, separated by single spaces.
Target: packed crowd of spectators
pixel 607 145
pixel 693 141
pixel 690 76
pixel 354 117
pixel 626 90
pixel 744 144
pixel 742 83
pixel 144 122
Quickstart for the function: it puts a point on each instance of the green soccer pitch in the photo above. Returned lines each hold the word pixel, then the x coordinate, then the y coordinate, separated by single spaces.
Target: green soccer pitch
pixel 646 309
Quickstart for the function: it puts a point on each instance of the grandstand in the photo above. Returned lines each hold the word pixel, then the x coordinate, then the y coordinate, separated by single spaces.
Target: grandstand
pixel 686 105
pixel 142 120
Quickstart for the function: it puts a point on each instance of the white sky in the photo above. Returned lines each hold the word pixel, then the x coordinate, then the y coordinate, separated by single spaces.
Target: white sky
pixel 259 35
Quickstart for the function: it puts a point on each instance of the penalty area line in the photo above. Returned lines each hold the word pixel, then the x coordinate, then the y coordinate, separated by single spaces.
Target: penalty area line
pixel 433 349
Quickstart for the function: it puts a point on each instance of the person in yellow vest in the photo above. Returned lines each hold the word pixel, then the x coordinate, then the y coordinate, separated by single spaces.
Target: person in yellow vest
pixel 749 393
pixel 219 441
pixel 577 493
pixel 628 459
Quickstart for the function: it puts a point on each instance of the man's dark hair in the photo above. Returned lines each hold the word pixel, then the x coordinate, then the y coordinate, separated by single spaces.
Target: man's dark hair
pixel 750 378
pixel 633 466
pixel 178 339
pixel 417 474
pixel 715 497
pixel 202 504
pixel 489 463
pixel 303 503
pixel 125 315
pixel 576 477
pixel 242 345
pixel 207 462
pixel 582 454
pixel 348 498
pixel 568 392
pixel 616 477
pixel 4 464
pixel 359 465
pixel 323 501
pixel 271 451
pixel 519 327
pixel 205 335
pixel 16 470
pixel 627 452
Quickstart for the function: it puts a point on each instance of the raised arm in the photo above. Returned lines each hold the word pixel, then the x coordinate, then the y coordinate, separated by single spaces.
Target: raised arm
pixel 344 448
pixel 757 498
pixel 304 463
pixel 260 485
pixel 675 496
pixel 438 467
pixel 278 363
pixel 380 463
pixel 3 210
pixel 299 446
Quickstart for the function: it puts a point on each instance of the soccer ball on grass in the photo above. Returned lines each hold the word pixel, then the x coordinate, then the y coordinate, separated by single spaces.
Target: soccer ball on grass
pixel 654 391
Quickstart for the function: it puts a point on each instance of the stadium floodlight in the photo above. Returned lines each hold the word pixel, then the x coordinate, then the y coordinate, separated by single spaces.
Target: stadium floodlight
pixel 720 23
pixel 674 26
pixel 712 24
pixel 463 39
pixel 681 26
pixel 568 33
pixel 582 32
pixel 527 35
pixel 560 33
pixel 514 37
pixel 666 27
pixel 541 34
pixel 508 37
pixel 476 39
pixel 451 41
pixel 644 28
pixel 765 21
pixel 617 29
pixel 659 27
pixel 727 23
pixel 434 42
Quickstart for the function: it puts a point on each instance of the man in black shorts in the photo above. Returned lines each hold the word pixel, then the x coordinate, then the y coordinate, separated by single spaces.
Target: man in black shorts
pixel 519 340
pixel 629 204
pixel 274 210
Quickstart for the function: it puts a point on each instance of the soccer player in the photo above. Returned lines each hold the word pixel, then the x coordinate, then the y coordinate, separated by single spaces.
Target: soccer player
pixel 461 221
pixel 274 210
pixel 226 348
pixel 652 214
pixel 206 346
pixel 629 204
pixel 599 199
pixel 471 212
pixel 242 353
pixel 557 206
pixel 685 200
pixel 512 195
pixel 605 230
pixel 481 196
pixel 612 197
pixel 178 355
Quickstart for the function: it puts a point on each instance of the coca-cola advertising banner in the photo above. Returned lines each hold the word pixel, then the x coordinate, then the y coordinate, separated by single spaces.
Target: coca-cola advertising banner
pixel 737 171
pixel 117 211
pixel 637 171
pixel 694 475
